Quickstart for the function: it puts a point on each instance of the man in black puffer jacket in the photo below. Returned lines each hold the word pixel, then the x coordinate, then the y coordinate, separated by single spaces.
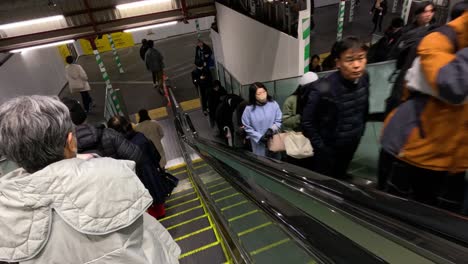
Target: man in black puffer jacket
pixel 335 110
pixel 98 139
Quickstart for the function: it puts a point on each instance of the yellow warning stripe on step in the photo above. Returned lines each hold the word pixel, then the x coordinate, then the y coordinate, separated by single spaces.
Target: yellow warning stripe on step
pixel 227 197
pixel 205 247
pixel 193 233
pixel 186 202
pixel 260 250
pixel 187 222
pixel 180 213
pixel 191 104
pixel 222 190
pixel 233 205
pixel 179 172
pixel 177 198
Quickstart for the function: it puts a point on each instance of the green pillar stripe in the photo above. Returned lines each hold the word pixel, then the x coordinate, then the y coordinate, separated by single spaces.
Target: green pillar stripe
pixel 395 6
pixel 306 38
pixel 114 52
pixel 339 34
pixel 351 11
pixel 197 26
pixel 405 7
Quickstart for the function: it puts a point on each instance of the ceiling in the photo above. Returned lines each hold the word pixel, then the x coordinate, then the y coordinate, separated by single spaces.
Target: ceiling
pixel 88 18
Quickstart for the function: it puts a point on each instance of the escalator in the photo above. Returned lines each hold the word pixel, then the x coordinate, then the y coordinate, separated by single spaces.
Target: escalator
pixel 234 207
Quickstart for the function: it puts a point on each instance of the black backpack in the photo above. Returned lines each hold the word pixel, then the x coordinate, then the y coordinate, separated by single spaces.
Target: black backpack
pixel 406 48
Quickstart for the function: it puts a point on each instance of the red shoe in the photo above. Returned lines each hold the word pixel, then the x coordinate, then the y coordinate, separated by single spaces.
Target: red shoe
pixel 157 211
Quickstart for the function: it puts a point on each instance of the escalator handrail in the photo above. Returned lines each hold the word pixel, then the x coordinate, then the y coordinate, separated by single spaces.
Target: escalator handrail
pixel 440 222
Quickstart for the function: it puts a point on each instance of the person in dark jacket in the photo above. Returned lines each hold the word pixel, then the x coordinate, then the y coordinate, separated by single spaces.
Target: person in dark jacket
pixel 315 64
pixel 143 48
pixel 98 139
pixel 378 11
pixel 203 53
pixel 225 112
pixel 203 80
pixel 214 96
pixel 155 64
pixel 329 62
pixel 335 111
pixel 149 172
pixel 380 50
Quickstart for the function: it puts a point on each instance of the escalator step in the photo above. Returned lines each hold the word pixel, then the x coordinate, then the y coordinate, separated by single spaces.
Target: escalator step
pixel 182 216
pixel 238 210
pixel 248 222
pixel 231 201
pixel 197 241
pixel 183 197
pixel 181 175
pixel 223 193
pixel 263 237
pixel 275 253
pixel 213 254
pixel 188 227
pixel 178 207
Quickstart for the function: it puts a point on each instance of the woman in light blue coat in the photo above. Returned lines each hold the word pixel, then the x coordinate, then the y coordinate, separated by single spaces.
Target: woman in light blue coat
pixel 261 118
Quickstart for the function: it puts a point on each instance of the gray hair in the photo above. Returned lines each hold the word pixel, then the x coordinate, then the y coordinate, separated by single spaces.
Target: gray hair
pixel 33 131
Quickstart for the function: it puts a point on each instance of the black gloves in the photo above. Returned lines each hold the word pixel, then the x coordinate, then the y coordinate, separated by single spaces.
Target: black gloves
pixel 268 134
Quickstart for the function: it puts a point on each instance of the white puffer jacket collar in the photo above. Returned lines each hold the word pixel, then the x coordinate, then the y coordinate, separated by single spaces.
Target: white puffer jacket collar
pixel 96 197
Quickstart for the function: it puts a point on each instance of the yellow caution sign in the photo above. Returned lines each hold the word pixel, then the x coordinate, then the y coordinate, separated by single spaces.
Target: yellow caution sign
pixel 121 40
pixel 64 51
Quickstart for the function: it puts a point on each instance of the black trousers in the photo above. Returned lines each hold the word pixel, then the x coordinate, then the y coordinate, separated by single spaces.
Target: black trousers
pixel 333 162
pixel 436 188
pixel 377 20
pixel 87 100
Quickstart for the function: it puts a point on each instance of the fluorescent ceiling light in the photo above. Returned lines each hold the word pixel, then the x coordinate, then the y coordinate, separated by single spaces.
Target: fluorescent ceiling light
pixel 151 26
pixel 31 22
pixel 43 46
pixel 140 4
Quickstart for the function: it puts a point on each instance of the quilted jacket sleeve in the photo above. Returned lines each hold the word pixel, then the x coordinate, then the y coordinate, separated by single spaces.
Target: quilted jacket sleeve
pixel 124 149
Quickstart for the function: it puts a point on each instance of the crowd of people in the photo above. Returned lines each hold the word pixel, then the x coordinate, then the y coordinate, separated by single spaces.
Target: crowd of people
pixel 97 185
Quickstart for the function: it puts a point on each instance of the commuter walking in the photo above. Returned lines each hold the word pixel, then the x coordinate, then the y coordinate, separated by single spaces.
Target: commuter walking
pixel 153 131
pixel 155 64
pixel 335 110
pixel 204 54
pixel 78 82
pixel 424 152
pixel 143 49
pixel 203 81
pixel 261 119
pixel 149 171
pixel 214 96
pixel 63 208
pixel 378 11
pixel 315 64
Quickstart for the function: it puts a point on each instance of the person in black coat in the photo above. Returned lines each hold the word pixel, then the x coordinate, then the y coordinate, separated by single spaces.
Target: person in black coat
pixel 214 97
pixel 378 11
pixel 335 110
pixel 203 80
pixel 203 53
pixel 149 171
pixel 144 47
pixel 98 139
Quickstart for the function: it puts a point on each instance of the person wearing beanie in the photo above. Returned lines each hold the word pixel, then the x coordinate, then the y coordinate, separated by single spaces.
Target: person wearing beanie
pixel 336 108
pixel 292 106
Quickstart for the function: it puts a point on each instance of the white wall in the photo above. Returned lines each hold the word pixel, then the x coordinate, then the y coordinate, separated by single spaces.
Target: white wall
pixel 178 29
pixel 33 72
pixel 253 51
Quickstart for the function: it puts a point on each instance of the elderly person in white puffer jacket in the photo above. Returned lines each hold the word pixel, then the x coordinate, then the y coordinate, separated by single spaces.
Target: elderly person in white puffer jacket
pixel 61 209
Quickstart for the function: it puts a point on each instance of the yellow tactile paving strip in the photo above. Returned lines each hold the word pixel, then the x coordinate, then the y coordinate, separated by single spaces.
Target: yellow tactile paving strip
pixel 191 104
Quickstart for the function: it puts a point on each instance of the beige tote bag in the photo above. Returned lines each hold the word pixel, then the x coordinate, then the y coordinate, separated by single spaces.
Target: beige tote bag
pixel 298 146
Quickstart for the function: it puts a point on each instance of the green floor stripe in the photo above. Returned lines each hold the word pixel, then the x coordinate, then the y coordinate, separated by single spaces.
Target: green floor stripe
pixel 222 190
pixel 250 230
pixel 260 250
pixel 234 205
pixel 227 197
pixel 242 215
